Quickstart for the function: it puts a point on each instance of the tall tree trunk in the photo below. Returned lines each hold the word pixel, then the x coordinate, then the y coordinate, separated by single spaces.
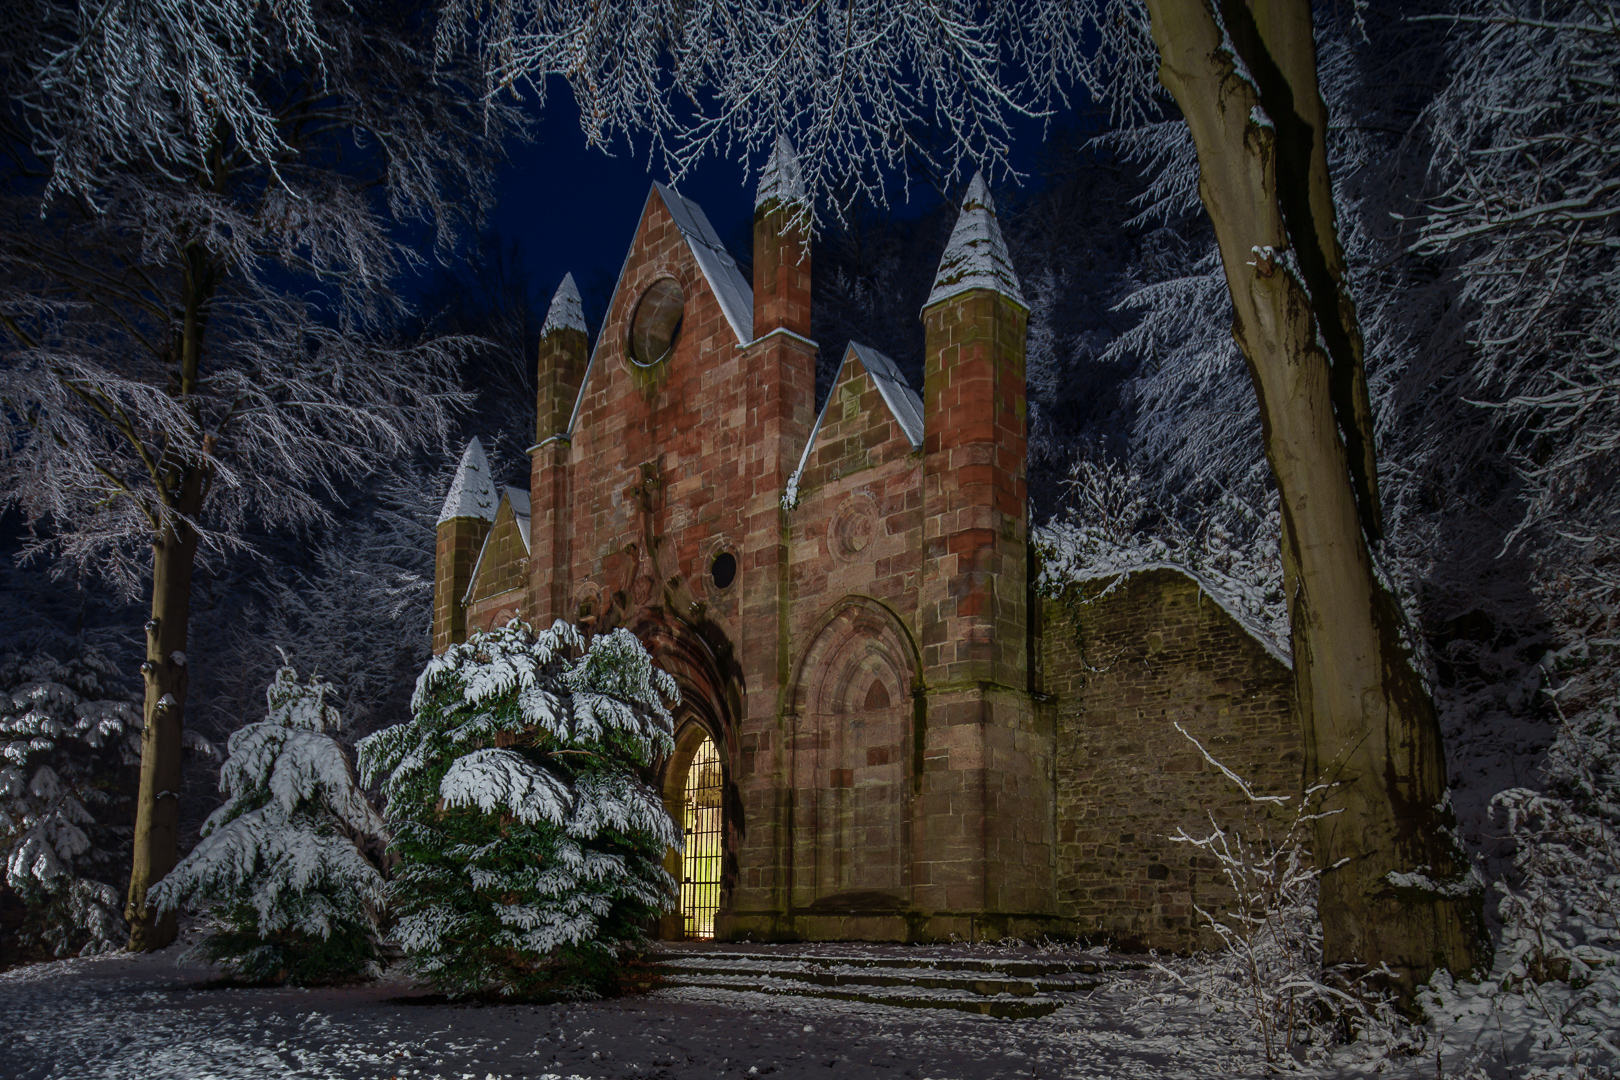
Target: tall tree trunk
pixel 182 487
pixel 1394 887
pixel 157 806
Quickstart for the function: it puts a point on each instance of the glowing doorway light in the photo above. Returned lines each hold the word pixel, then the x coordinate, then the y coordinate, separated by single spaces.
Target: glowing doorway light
pixel 700 878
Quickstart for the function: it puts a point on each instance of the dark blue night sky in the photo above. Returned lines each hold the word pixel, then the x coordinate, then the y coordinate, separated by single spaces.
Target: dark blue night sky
pixel 573 209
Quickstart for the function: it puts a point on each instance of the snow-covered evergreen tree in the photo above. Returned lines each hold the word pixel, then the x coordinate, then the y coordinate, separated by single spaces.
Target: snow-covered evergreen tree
pixel 532 849
pixel 290 892
pixel 65 740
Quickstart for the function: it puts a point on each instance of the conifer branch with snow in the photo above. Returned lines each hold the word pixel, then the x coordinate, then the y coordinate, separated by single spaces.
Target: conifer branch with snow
pixel 281 868
pixel 532 850
pixel 61 752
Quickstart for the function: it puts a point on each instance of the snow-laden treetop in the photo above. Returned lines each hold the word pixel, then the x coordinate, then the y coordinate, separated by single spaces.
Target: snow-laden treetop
pixel 781 179
pixel 567 311
pixel 976 257
pixel 471 493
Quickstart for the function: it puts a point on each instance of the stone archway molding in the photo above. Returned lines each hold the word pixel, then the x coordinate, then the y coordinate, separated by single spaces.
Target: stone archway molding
pixel 852 718
pixel 853 617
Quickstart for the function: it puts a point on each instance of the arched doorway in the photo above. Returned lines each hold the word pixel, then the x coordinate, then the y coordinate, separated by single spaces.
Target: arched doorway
pixel 696 779
pixel 694 789
pixel 703 828
pixel 851 750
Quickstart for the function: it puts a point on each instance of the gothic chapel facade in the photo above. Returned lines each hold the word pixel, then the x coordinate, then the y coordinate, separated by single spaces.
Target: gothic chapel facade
pixel 884 734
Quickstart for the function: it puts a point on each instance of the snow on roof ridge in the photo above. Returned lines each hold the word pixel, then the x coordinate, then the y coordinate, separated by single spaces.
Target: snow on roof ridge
pixel 976 256
pixel 567 310
pixel 471 494
pixel 725 277
pixel 521 510
pixel 903 401
pixel 781 178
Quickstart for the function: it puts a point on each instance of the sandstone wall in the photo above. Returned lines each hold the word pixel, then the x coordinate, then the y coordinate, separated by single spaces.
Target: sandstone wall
pixel 1120 669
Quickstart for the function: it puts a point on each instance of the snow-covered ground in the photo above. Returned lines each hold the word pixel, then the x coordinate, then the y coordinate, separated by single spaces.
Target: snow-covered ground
pixel 161 1017
pixel 156 1017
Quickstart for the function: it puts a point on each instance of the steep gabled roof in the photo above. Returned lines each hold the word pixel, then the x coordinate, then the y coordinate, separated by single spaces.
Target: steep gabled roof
pixel 471 493
pixel 976 256
pixel 720 270
pixel 904 403
pixel 521 516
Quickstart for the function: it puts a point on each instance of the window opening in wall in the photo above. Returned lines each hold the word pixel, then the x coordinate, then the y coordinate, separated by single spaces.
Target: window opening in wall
pixel 656 323
pixel 723 570
pixel 700 878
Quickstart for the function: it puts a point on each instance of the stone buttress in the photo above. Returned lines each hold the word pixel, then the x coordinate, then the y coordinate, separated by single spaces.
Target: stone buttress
pixel 984 820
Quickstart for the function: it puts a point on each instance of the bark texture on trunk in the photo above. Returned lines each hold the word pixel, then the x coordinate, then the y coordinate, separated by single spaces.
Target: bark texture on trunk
pixel 1369 722
pixel 182 486
pixel 157 806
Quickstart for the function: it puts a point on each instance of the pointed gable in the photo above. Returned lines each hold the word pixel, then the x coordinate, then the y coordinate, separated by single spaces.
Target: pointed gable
pixel 976 256
pixel 502 562
pixel 720 270
pixel 867 395
pixel 903 401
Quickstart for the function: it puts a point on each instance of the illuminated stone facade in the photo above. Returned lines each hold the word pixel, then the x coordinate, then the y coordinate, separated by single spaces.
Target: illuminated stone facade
pixel 844 598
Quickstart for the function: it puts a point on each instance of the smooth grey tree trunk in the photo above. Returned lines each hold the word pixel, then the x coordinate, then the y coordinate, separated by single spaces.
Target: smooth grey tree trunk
pixel 1369 721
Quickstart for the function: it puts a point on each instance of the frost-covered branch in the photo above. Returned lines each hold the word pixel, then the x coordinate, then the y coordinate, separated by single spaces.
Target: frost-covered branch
pixel 860 86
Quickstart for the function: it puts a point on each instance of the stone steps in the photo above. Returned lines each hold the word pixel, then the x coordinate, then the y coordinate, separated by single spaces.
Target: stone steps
pixel 931 978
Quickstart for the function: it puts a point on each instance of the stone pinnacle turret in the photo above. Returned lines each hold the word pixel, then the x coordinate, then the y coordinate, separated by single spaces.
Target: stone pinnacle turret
pixel 976 256
pixel 567 311
pixel 781 179
pixel 472 495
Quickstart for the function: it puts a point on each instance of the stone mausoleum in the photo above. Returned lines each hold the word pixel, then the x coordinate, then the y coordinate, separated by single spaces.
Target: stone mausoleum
pixel 884 733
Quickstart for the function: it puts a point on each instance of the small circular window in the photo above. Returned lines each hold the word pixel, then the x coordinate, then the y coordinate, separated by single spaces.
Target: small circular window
pixel 723 570
pixel 656 323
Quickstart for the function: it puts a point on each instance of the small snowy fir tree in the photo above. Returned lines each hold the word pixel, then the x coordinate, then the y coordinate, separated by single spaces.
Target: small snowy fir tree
pixel 62 756
pixel 532 849
pixel 291 895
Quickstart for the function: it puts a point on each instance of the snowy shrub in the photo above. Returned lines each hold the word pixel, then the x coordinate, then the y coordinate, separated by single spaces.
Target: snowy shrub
pixel 532 851
pixel 1551 1007
pixel 63 781
pixel 291 895
pixel 1266 971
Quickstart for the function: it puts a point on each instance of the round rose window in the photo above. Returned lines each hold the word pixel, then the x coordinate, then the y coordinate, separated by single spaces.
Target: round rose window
pixel 656 323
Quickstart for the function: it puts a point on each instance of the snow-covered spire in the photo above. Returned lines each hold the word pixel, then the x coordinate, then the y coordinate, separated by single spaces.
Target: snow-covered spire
pixel 567 312
pixel 976 257
pixel 781 179
pixel 471 493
